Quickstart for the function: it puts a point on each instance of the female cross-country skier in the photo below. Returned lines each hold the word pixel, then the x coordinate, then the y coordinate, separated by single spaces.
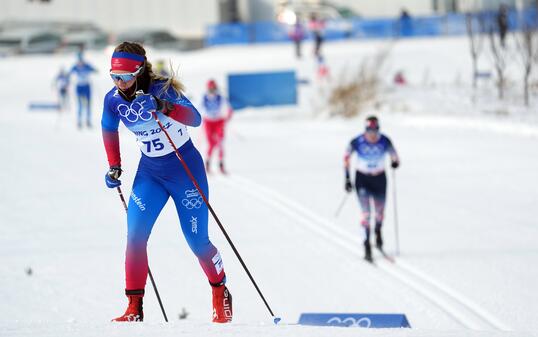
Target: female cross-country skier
pixel 371 148
pixel 216 113
pixel 160 174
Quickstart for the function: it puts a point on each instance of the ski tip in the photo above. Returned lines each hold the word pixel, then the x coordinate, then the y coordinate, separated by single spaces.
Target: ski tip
pixel 277 319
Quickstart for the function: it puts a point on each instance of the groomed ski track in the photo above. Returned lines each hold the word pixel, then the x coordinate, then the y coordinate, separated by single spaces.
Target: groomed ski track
pixel 459 307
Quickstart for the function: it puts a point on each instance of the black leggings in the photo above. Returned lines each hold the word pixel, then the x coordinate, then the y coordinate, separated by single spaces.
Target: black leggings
pixel 371 187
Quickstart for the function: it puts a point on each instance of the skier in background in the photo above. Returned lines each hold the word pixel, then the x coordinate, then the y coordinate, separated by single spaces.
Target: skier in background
pixel 399 78
pixel 216 113
pixel 323 72
pixel 371 148
pixel 160 69
pixel 160 174
pixel 61 82
pixel 296 34
pixel 317 26
pixel 82 71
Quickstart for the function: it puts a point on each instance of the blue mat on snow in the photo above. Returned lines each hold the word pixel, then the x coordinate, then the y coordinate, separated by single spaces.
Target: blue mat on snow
pixel 355 320
pixel 43 106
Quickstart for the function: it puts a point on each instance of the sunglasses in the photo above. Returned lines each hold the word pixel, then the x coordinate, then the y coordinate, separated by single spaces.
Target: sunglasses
pixel 125 77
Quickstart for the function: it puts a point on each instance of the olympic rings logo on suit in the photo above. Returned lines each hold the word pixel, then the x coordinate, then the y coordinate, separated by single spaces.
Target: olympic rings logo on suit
pixel 363 322
pixel 192 202
pixel 193 199
pixel 132 114
pixel 371 150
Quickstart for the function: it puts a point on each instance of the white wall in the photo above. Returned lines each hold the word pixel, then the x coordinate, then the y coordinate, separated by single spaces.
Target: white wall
pixel 184 17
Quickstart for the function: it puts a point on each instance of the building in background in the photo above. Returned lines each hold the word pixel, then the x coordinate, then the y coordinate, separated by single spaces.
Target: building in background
pixel 185 18
pixel 392 8
pixel 188 18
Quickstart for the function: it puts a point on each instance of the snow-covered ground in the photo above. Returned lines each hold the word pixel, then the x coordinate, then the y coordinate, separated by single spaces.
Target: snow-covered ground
pixel 467 196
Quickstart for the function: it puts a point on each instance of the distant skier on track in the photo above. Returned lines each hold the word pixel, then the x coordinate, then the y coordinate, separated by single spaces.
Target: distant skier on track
pixel 160 174
pixel 371 148
pixel 82 70
pixel 216 113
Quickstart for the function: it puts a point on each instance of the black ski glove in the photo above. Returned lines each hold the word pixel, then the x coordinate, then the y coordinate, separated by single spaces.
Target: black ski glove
pixel 112 177
pixel 164 106
pixel 153 102
pixel 348 186
pixel 395 164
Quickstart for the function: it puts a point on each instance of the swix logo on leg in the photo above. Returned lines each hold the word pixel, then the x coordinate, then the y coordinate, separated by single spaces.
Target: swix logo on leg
pixel 194 224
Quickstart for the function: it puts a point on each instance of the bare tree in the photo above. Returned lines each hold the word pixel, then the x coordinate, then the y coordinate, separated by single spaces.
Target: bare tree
pixel 527 45
pixel 475 26
pixel 500 57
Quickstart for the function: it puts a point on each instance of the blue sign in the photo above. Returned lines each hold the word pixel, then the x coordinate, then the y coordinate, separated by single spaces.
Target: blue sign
pixel 262 89
pixel 388 27
pixel 355 320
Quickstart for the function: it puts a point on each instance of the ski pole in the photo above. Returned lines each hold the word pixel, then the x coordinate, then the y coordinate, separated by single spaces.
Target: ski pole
pixel 395 212
pixel 206 201
pixel 337 213
pixel 149 270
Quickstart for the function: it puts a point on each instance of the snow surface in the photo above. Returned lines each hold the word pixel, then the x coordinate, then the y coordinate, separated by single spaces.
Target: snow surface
pixel 467 195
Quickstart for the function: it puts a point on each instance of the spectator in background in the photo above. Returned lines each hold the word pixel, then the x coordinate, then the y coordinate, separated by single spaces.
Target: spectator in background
pixel 399 78
pixel 296 34
pixel 405 23
pixel 216 112
pixel 61 83
pixel 502 23
pixel 317 26
pixel 82 71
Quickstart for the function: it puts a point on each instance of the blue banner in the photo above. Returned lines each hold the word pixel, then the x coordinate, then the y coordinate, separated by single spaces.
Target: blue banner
pixel 364 28
pixel 356 320
pixel 228 33
pixel 262 89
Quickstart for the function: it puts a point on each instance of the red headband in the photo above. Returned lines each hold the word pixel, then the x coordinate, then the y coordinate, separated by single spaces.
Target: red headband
pixel 126 61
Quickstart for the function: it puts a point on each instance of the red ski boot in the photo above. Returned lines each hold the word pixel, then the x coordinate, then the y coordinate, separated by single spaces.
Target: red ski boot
pixel 134 310
pixel 222 305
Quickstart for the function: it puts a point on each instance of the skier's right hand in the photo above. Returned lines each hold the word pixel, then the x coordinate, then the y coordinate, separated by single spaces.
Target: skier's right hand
pixel 348 186
pixel 112 177
pixel 146 101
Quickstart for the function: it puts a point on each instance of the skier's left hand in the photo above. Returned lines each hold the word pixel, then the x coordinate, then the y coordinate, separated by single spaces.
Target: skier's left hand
pixel 348 186
pixel 395 164
pixel 112 177
pixel 146 101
